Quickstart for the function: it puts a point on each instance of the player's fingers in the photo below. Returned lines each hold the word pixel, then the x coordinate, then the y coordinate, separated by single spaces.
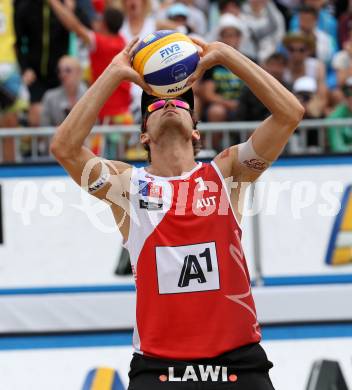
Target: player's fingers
pixel 199 42
pixel 198 73
pixel 137 79
pixel 131 45
pixel 134 47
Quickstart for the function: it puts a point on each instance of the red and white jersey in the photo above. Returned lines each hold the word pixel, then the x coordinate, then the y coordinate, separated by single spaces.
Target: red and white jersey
pixel 193 289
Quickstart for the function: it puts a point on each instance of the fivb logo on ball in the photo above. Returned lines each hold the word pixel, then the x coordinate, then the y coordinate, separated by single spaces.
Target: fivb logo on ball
pixel 170 50
pixel 166 59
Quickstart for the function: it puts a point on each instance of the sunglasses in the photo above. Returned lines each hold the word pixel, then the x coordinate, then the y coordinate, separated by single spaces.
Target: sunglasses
pixel 304 96
pixel 296 49
pixel 159 104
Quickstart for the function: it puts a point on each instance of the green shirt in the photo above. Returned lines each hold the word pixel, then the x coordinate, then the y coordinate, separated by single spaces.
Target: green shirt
pixel 340 137
pixel 227 85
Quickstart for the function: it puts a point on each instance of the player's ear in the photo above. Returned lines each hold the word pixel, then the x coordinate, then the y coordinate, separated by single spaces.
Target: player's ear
pixel 144 138
pixel 196 135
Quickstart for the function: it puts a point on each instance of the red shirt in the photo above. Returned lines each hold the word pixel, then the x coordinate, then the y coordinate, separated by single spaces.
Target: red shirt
pixel 99 5
pixel 106 48
pixel 194 296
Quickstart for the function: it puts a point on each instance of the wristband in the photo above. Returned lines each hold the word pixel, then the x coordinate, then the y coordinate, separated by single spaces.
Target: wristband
pixel 248 157
pixel 101 181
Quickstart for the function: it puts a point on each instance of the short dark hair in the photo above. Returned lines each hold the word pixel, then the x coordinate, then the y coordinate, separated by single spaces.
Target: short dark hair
pixel 307 9
pixel 113 19
pixel 222 4
pixel 197 145
pixel 277 57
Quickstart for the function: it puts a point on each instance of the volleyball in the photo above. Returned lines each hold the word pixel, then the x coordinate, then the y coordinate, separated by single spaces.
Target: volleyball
pixel 166 59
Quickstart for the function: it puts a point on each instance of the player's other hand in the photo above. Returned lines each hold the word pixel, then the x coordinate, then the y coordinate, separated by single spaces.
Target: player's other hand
pixel 211 54
pixel 122 62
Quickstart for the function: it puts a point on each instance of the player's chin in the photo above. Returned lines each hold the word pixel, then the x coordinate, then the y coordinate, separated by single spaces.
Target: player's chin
pixel 171 119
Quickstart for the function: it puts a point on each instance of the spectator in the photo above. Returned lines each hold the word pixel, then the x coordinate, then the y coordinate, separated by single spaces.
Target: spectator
pixel 58 102
pixel 301 64
pixel 342 61
pixel 219 8
pixel 202 5
pixel 326 21
pixel 104 45
pixel 86 6
pixel 250 107
pixel 196 18
pixel 13 95
pixel 179 13
pixel 345 24
pixel 138 19
pixel 220 88
pixel 286 7
pixel 232 7
pixel 267 28
pixel 41 42
pixel 339 7
pixel 340 138
pixel 99 6
pixel 305 89
pixel 325 47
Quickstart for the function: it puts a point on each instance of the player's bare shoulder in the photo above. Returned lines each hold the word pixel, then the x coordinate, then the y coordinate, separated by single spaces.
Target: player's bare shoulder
pixel 121 167
pixel 241 162
pixel 225 161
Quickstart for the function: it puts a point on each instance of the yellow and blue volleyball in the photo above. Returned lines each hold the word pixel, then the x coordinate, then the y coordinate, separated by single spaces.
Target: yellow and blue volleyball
pixel 166 59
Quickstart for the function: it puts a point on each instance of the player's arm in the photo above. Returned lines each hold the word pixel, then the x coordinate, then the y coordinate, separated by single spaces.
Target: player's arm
pixel 247 161
pixel 68 143
pixel 70 20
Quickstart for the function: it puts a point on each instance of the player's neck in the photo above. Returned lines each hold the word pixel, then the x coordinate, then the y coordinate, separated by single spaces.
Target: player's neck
pixel 173 160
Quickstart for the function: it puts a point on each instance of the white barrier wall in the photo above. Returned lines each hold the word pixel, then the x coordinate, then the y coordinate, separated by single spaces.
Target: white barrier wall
pixel 59 249
pixel 55 234
pixel 298 208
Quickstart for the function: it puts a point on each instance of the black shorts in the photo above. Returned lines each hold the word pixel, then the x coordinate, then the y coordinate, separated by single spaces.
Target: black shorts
pixel 246 368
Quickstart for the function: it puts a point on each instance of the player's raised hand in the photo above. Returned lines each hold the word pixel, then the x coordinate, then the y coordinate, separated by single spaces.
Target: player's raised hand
pixel 210 55
pixel 123 61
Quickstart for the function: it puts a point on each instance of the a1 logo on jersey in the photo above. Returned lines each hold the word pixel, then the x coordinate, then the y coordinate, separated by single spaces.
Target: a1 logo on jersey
pixel 187 268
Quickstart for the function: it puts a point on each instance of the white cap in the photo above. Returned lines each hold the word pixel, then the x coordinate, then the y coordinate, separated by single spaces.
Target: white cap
pixel 305 84
pixel 230 21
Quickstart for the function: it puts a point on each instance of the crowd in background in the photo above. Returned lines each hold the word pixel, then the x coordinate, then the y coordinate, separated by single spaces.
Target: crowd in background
pixel 52 50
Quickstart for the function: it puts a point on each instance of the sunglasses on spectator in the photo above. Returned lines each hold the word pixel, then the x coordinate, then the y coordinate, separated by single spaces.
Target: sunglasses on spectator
pixel 65 69
pixel 296 49
pixel 304 96
pixel 159 104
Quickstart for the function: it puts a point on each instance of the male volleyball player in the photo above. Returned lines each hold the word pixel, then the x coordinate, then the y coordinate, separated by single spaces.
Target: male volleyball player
pixel 196 324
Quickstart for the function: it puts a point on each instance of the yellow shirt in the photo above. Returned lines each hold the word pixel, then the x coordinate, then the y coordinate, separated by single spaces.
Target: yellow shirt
pixel 7 32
